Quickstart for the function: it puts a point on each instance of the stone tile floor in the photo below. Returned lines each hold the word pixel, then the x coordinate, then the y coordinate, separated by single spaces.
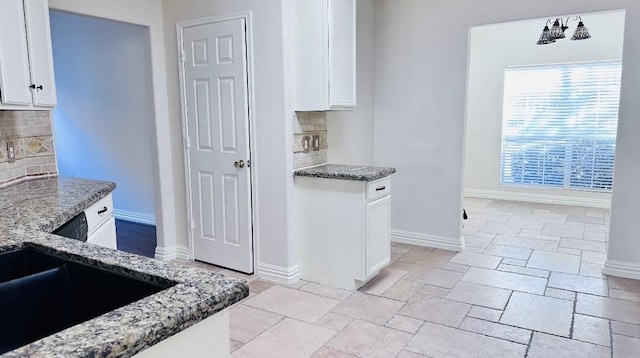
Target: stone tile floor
pixel 528 284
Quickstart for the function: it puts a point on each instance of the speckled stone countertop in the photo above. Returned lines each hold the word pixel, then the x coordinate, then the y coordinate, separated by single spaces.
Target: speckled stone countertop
pixel 29 210
pixel 345 172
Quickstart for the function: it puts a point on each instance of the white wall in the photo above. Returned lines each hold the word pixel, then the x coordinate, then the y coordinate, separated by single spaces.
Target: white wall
pixel 421 67
pixel 102 121
pixel 147 13
pixel 357 125
pixel 492 49
pixel 272 163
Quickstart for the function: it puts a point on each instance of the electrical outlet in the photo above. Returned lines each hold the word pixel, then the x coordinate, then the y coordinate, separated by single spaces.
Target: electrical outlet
pixel 315 143
pixel 343 140
pixel 306 143
pixel 11 152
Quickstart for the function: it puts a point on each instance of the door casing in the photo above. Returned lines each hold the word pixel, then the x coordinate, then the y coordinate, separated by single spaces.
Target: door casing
pixel 180 26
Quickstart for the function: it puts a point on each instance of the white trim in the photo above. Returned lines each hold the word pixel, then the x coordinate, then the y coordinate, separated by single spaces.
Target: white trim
pixel 622 269
pixel 412 238
pixel 247 15
pixel 538 198
pixel 135 217
pixel 171 253
pixel 279 274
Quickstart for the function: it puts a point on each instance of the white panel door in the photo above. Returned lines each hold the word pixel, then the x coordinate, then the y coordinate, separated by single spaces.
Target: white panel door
pixel 14 57
pixel 217 116
pixel 40 54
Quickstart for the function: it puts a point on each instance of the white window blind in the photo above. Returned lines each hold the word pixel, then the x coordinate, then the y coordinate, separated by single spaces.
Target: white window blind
pixel 559 125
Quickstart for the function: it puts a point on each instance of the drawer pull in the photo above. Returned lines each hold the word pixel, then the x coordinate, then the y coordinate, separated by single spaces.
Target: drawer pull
pixel 381 188
pixel 103 210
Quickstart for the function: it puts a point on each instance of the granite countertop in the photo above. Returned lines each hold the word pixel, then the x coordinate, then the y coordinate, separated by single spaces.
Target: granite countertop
pixel 28 211
pixel 345 172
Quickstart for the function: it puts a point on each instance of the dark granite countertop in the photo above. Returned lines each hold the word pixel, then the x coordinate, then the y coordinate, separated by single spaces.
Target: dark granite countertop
pixel 28 211
pixel 345 172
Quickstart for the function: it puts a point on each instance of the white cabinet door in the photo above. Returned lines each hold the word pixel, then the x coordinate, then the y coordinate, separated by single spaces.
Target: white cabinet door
pixel 105 235
pixel 40 54
pixel 14 58
pixel 342 54
pixel 325 54
pixel 378 244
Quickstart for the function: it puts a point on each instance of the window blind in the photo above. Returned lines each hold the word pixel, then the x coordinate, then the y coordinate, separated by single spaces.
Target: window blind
pixel 559 125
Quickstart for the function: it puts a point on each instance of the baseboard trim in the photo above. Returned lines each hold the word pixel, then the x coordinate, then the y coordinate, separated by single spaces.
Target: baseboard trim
pixel 538 198
pixel 417 239
pixel 171 253
pixel 279 274
pixel 622 269
pixel 135 217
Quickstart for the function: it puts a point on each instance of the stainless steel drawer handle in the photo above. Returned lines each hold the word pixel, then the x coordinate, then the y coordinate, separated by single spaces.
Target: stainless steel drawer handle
pixel 381 188
pixel 103 210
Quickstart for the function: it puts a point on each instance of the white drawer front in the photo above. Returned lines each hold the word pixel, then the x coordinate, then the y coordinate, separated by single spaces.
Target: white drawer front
pixel 378 189
pixel 105 235
pixel 99 212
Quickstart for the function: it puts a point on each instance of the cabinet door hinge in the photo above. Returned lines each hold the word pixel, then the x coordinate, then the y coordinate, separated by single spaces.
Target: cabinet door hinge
pixel 182 55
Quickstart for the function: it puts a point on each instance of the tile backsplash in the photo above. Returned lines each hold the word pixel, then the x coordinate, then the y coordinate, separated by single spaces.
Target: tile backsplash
pixel 32 138
pixel 309 139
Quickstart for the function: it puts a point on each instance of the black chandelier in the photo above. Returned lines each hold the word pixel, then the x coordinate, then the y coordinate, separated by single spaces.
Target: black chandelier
pixel 559 27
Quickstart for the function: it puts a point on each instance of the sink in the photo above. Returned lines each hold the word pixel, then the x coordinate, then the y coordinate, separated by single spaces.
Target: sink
pixel 42 293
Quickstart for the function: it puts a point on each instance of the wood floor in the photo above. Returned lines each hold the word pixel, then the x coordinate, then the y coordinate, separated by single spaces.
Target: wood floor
pixel 136 238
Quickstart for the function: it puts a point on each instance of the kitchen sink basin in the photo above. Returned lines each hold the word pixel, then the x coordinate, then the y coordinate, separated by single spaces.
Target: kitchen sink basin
pixel 42 293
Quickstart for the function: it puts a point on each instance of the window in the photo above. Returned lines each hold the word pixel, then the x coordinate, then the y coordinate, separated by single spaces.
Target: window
pixel 559 125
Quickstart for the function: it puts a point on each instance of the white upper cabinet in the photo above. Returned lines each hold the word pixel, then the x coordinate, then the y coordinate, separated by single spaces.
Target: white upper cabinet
pixel 26 61
pixel 325 54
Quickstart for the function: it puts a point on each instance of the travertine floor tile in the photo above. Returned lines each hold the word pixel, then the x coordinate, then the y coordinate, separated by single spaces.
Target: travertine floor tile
pixel 592 330
pixel 334 321
pixel 625 329
pixel 438 310
pixel 525 242
pixel 288 338
pixel 498 229
pixel 591 270
pixel 614 309
pixel 437 341
pixel 506 280
pixel 593 257
pixel 546 346
pixel 292 303
pixel 580 244
pixel 524 270
pixel 247 322
pixel 539 313
pixel 497 330
pixel 387 278
pixel 478 260
pixel 624 284
pixel 325 352
pixel 553 261
pixel 364 339
pixel 369 308
pixel 434 291
pixel 326 291
pixel 625 347
pixel 480 295
pixel 455 267
pixel 403 290
pixel 405 324
pixel 561 294
pixel 594 286
pixel 508 251
pixel 488 314
pixel 407 354
pixel 434 277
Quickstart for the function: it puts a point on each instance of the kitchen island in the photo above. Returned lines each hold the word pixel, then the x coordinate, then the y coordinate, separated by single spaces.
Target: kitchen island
pixel 29 211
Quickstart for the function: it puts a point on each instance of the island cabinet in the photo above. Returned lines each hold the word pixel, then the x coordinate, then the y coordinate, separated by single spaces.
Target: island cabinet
pixel 325 54
pixel 344 230
pixel 26 61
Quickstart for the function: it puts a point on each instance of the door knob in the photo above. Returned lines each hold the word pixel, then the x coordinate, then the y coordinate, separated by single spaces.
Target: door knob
pixel 239 163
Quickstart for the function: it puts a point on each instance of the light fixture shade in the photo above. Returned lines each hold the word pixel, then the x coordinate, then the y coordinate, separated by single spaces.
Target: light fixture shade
pixel 581 32
pixel 545 37
pixel 557 32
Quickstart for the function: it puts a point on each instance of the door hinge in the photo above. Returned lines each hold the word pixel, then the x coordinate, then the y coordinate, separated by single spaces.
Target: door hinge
pixel 193 224
pixel 248 164
pixel 187 142
pixel 182 55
